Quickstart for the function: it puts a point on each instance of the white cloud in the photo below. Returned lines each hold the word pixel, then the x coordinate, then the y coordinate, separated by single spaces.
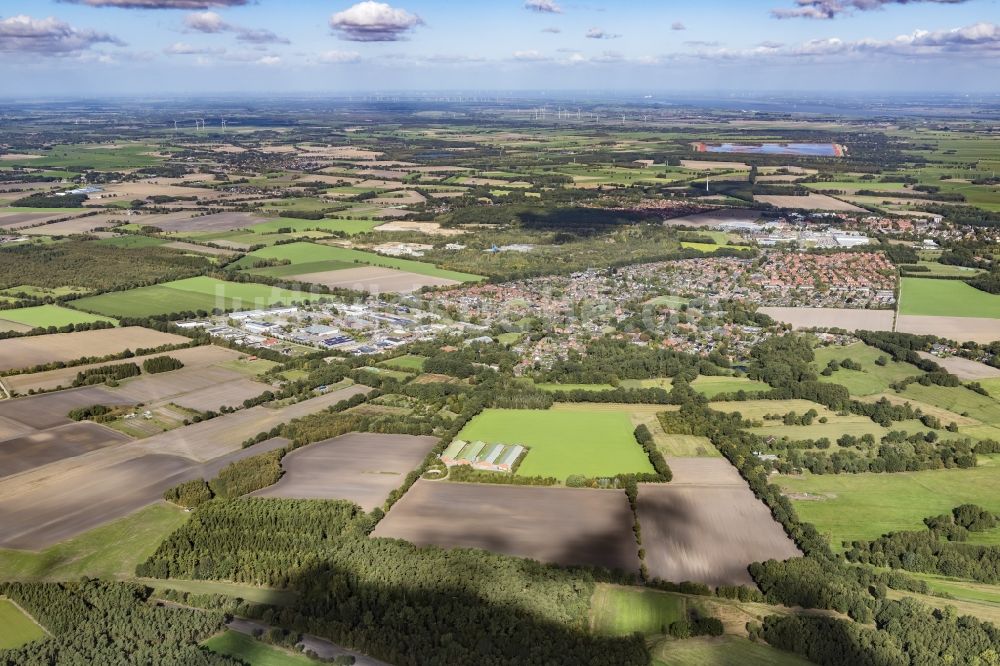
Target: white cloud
pixel 677 25
pixel 371 21
pixel 552 30
pixel 48 37
pixel 600 33
pixel 543 6
pixel 212 23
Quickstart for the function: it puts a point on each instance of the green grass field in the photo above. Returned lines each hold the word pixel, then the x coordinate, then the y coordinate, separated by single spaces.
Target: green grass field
pixel 51 315
pixel 411 362
pixel 112 550
pixel 18 628
pixel 946 298
pixel 722 651
pixel 313 253
pixel 620 611
pixel 872 378
pixel 252 651
pixel 562 443
pixel 756 409
pixel 958 399
pixel 865 506
pixel 198 293
pixel 713 386
pixel 350 227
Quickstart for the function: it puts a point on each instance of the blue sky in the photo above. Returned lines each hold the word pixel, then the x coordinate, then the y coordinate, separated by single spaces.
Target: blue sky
pixel 97 47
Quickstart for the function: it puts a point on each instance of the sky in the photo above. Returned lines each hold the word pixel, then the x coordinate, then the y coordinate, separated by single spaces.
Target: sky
pixel 140 47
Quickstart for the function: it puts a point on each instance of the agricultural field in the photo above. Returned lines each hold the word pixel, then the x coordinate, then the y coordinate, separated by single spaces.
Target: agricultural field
pixel 561 443
pixel 313 258
pixel 706 525
pixel 60 500
pixel 849 319
pixel 191 357
pixel 561 525
pixel 31 351
pixel 849 507
pixel 189 295
pixel 110 551
pixel 361 467
pixel 44 316
pixel 18 628
pixel 946 298
pixel 961 328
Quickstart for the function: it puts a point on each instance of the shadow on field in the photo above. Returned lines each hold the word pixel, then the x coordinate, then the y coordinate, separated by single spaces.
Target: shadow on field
pixel 440 621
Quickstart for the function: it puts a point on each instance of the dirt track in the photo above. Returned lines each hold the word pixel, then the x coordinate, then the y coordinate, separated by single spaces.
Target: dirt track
pixel 706 525
pixel 562 525
pixel 361 467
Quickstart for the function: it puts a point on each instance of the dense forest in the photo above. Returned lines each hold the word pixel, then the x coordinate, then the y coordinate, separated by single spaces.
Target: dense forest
pixel 97 622
pixel 407 605
pixel 94 265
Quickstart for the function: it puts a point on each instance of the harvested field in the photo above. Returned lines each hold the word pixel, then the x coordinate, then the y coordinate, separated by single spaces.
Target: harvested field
pixel 431 228
pixel 48 504
pixel 80 225
pixel 141 481
pixel 193 357
pixel 48 410
pixel 214 222
pixel 361 467
pixel 706 525
pixel 41 448
pixel 963 368
pixel 39 349
pixel 960 329
pixel 561 525
pixel 811 201
pixel 19 220
pixel 196 388
pixel 374 279
pixel 714 218
pixel 14 327
pixel 846 318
